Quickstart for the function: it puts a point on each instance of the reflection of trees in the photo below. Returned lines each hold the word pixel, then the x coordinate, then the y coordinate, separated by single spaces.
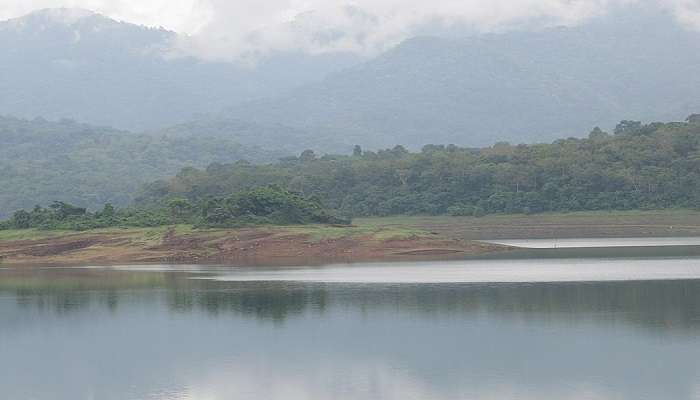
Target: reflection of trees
pixel 62 291
pixel 263 300
pixel 61 301
pixel 659 305
pixel 654 304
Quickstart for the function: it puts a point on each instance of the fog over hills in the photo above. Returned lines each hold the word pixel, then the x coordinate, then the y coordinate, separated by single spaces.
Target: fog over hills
pixel 471 90
pixel 71 63
pixel 518 86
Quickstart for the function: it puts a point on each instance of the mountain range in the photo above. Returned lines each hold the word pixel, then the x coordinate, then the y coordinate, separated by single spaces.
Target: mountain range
pixel 518 86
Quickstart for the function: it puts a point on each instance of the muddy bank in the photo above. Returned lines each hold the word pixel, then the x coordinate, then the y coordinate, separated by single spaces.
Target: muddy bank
pixel 369 239
pixel 259 246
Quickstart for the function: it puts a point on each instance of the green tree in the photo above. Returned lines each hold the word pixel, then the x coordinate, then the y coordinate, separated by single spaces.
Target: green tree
pixel 307 156
pixel 693 119
pixel 21 220
pixel 628 127
pixel 180 209
pixel 357 151
pixel 108 211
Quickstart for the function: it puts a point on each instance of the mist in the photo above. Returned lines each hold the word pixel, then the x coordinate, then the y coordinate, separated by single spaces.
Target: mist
pixel 363 27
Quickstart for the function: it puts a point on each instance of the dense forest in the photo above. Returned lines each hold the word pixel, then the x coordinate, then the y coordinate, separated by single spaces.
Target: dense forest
pixel 259 206
pixel 638 166
pixel 43 161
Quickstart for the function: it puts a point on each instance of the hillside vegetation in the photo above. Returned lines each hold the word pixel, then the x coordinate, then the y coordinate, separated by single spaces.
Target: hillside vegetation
pixel 43 161
pixel 636 167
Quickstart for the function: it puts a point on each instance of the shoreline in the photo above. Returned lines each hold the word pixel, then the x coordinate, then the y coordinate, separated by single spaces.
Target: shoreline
pixel 245 247
pixel 368 240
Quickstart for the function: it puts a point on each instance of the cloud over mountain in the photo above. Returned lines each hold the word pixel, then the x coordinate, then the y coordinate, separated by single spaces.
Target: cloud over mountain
pixel 246 29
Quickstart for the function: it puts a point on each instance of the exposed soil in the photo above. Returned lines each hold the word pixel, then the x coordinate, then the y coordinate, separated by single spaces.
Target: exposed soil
pixel 437 238
pixel 259 246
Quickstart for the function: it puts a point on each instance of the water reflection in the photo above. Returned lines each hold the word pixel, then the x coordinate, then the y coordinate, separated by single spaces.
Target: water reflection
pixel 111 334
pixel 659 305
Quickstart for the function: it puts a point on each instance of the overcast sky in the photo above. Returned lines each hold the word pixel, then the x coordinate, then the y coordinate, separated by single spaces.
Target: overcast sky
pixel 232 28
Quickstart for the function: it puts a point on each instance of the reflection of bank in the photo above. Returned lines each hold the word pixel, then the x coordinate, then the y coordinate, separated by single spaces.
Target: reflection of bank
pixel 660 305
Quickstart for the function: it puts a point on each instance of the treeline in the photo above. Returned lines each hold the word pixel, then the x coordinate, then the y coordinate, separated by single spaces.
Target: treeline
pixel 638 166
pixel 264 205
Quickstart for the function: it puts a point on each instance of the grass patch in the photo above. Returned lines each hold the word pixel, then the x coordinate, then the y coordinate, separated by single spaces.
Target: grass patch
pixel 320 232
pixel 396 227
pixel 30 234
pixel 152 236
pixel 375 228
pixel 145 235
pixel 399 232
pixel 595 216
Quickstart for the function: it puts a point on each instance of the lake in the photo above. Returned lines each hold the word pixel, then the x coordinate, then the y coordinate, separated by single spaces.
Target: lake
pixel 585 328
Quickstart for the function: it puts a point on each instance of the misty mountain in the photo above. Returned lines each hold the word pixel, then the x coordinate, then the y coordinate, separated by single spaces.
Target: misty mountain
pixel 42 161
pixel 517 86
pixel 520 86
pixel 71 63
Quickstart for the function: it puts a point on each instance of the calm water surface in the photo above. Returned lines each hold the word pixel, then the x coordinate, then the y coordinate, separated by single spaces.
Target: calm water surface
pixel 623 329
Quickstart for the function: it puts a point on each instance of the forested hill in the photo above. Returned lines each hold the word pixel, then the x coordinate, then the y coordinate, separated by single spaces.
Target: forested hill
pixel 43 161
pixel 637 166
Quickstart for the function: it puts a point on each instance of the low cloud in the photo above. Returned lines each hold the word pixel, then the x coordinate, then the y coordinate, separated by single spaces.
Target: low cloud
pixel 185 16
pixel 365 26
pixel 687 12
pixel 248 29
